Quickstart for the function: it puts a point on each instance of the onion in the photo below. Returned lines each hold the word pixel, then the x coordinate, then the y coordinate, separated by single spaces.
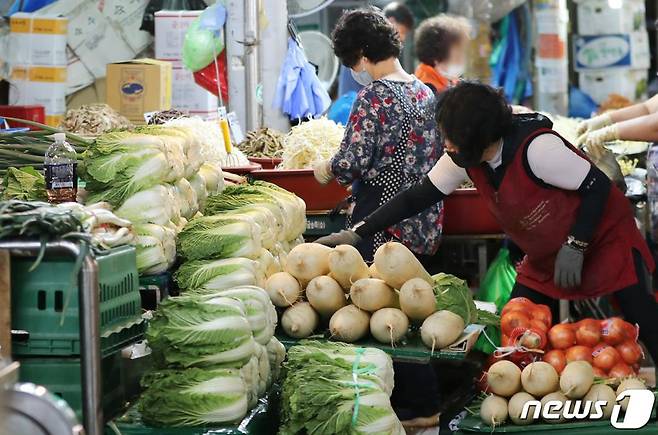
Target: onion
pixel 588 333
pixel 630 351
pixel 613 331
pixel 512 320
pixel 605 357
pixel 621 370
pixel 579 353
pixel 557 359
pixel 561 336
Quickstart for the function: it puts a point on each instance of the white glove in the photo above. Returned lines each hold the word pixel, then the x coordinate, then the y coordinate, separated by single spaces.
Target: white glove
pixel 595 123
pixel 599 137
pixel 322 171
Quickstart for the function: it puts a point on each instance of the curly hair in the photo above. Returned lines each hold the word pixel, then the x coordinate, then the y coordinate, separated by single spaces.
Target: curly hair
pixel 437 35
pixel 364 32
pixel 472 116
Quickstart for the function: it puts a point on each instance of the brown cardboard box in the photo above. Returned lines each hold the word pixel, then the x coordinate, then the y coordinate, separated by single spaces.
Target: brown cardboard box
pixel 139 86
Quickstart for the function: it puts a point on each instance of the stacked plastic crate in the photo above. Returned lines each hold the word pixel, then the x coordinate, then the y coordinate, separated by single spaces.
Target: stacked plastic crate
pixel 45 324
pixel 611 49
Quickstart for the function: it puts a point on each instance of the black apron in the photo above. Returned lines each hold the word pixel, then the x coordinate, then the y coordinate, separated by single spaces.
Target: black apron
pixel 369 195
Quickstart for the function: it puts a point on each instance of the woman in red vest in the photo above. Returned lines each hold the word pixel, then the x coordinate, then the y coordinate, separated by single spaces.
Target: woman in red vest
pixel 576 228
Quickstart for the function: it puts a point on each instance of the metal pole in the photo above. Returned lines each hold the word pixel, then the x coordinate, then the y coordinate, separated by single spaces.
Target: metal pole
pixel 90 353
pixel 251 42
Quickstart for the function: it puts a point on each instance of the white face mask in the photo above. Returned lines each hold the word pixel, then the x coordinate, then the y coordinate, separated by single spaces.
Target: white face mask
pixel 362 78
pixel 453 70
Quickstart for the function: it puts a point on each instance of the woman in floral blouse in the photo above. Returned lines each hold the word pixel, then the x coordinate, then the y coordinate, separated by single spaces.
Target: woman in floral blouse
pixel 390 140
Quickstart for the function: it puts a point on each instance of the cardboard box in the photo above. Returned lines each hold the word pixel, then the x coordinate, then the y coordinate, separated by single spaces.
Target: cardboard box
pixel 37 40
pixel 188 96
pixel 627 50
pixel 41 85
pixel 170 28
pixel 629 83
pixel 596 17
pixel 139 86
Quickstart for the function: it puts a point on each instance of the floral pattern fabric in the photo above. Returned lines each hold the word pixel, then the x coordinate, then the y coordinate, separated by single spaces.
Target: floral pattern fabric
pixel 372 136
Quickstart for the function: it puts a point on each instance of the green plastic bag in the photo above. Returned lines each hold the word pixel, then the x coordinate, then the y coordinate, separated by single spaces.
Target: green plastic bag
pixel 497 284
pixel 496 287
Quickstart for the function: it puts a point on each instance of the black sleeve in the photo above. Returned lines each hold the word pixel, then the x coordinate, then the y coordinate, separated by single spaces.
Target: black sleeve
pixel 594 192
pixel 406 204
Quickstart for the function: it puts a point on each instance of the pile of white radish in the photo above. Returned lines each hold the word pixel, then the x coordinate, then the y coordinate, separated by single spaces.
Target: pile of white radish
pixel 512 388
pixel 321 284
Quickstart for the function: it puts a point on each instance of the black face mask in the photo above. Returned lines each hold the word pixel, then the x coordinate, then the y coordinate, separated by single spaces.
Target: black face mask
pixel 465 161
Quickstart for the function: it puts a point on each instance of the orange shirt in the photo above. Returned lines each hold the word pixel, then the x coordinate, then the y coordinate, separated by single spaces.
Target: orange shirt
pixel 430 76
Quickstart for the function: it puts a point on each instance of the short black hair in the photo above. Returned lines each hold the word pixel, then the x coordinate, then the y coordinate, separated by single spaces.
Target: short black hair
pixel 401 13
pixel 364 32
pixel 472 116
pixel 435 36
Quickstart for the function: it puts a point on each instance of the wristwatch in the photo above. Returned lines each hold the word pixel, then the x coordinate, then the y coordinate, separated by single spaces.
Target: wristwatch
pixel 576 244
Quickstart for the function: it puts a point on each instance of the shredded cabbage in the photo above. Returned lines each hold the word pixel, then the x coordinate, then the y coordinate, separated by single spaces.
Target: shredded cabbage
pixel 310 142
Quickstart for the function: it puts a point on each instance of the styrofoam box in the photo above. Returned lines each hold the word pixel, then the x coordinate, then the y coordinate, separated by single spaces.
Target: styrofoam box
pixel 629 83
pixel 596 17
pixel 45 86
pixel 170 28
pixel 624 50
pixel 37 40
pixel 188 96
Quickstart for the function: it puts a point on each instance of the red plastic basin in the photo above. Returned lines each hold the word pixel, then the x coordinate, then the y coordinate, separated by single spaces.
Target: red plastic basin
pixel 242 170
pixel 302 183
pixel 30 113
pixel 467 213
pixel 266 162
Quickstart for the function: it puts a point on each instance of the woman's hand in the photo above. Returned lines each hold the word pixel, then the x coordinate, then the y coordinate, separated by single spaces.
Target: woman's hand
pixel 595 123
pixel 322 171
pixel 344 237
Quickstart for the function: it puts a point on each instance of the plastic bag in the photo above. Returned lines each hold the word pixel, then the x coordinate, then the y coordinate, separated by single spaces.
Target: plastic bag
pixel 499 280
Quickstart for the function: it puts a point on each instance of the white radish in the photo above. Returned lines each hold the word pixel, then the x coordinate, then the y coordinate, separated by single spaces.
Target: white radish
pixel 388 325
pixel 576 379
pixel 493 411
pixel 601 392
pixel 300 320
pixel 396 265
pixel 283 289
pixel 504 378
pixel 539 378
pixel 555 410
pixel 308 260
pixel 347 266
pixel 515 409
pixel 417 299
pixel 325 295
pixel 349 324
pixel 372 294
pixel 372 271
pixel 441 329
pixel 629 384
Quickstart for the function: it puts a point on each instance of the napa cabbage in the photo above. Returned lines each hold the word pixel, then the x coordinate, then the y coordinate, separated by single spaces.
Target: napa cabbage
pixel 155 247
pixel 220 236
pixel 209 276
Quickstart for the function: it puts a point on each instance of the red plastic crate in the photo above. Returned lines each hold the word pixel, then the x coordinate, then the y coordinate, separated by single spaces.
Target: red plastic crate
pixel 466 212
pixel 30 113
pixel 266 162
pixel 302 183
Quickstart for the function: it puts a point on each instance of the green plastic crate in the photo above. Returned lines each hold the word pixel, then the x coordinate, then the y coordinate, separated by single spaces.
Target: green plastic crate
pixel 61 376
pixel 38 300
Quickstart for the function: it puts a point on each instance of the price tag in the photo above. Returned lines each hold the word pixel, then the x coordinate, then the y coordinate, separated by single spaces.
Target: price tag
pixel 236 130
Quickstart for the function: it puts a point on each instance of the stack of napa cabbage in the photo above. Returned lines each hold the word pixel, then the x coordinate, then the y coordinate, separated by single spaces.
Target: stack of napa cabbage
pixel 214 356
pixel 242 239
pixel 156 177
